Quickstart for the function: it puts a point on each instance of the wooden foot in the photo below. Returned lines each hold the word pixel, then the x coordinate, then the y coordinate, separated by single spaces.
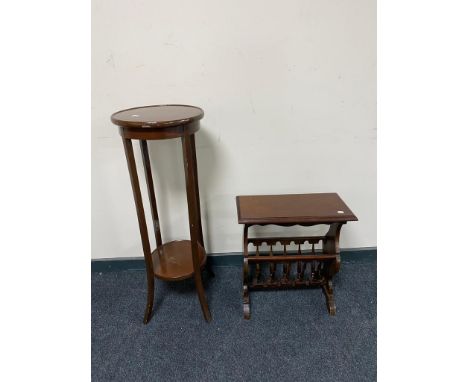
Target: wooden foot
pixel 245 287
pixel 202 296
pixel 245 269
pixel 328 291
pixel 149 301
pixel 246 302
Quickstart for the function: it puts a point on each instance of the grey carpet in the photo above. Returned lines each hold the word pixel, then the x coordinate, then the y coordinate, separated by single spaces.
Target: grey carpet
pixel 289 337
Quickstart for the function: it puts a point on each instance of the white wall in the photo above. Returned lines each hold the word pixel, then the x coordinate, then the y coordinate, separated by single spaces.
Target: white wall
pixel 289 93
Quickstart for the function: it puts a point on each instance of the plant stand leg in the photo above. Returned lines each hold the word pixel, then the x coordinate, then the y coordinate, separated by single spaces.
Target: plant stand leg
pixel 143 229
pixel 196 236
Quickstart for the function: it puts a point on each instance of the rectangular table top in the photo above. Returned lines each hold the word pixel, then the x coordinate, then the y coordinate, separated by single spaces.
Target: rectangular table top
pixel 323 208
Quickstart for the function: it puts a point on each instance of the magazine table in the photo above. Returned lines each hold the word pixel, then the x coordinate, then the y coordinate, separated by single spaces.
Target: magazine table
pixel 299 268
pixel 175 260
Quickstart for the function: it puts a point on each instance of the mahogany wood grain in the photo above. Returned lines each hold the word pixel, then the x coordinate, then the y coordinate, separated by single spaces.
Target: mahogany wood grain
pixel 180 259
pixel 173 261
pixel 157 116
pixel 158 121
pixel 294 208
pixel 194 217
pixel 265 258
pixel 152 196
pixel 142 225
pixel 312 269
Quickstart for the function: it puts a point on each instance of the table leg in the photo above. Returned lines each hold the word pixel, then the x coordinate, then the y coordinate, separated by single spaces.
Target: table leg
pixel 196 235
pixel 331 245
pixel 197 194
pixel 142 225
pixel 245 286
pixel 328 291
pixel 150 187
pixel 193 150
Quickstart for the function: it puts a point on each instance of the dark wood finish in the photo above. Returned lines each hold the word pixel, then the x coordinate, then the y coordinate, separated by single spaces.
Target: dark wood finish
pixel 245 286
pixel 142 225
pixel 194 217
pixel 293 209
pixel 150 187
pixel 287 258
pixel 160 132
pixel 300 268
pixel 175 260
pixel 195 180
pixel 158 121
pixel 157 116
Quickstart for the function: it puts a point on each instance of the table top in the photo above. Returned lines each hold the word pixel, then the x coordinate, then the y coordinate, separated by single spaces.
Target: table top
pixel 293 209
pixel 157 116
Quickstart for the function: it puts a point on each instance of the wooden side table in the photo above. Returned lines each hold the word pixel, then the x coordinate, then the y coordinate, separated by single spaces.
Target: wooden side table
pixel 176 260
pixel 311 269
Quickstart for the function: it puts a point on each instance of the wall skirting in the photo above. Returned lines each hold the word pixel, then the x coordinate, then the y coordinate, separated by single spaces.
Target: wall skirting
pixel 218 259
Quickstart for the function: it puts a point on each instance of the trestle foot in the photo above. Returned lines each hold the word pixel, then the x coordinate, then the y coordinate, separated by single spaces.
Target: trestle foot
pixel 328 291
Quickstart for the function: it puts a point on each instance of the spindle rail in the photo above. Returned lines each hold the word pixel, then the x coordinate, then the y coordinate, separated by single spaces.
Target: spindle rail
pixel 281 266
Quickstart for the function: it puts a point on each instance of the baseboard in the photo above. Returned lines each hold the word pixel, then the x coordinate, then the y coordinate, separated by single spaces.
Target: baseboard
pixel 218 260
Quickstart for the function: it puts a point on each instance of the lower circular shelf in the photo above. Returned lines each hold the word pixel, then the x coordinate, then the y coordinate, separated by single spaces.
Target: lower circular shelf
pixel 173 261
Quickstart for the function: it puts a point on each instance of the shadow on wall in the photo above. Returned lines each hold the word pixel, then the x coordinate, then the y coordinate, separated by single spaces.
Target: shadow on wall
pixel 169 180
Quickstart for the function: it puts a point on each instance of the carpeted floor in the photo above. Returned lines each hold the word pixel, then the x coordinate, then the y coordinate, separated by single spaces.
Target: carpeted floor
pixel 289 337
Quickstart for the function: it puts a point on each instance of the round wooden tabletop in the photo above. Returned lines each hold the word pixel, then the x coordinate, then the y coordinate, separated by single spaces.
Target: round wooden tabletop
pixel 158 121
